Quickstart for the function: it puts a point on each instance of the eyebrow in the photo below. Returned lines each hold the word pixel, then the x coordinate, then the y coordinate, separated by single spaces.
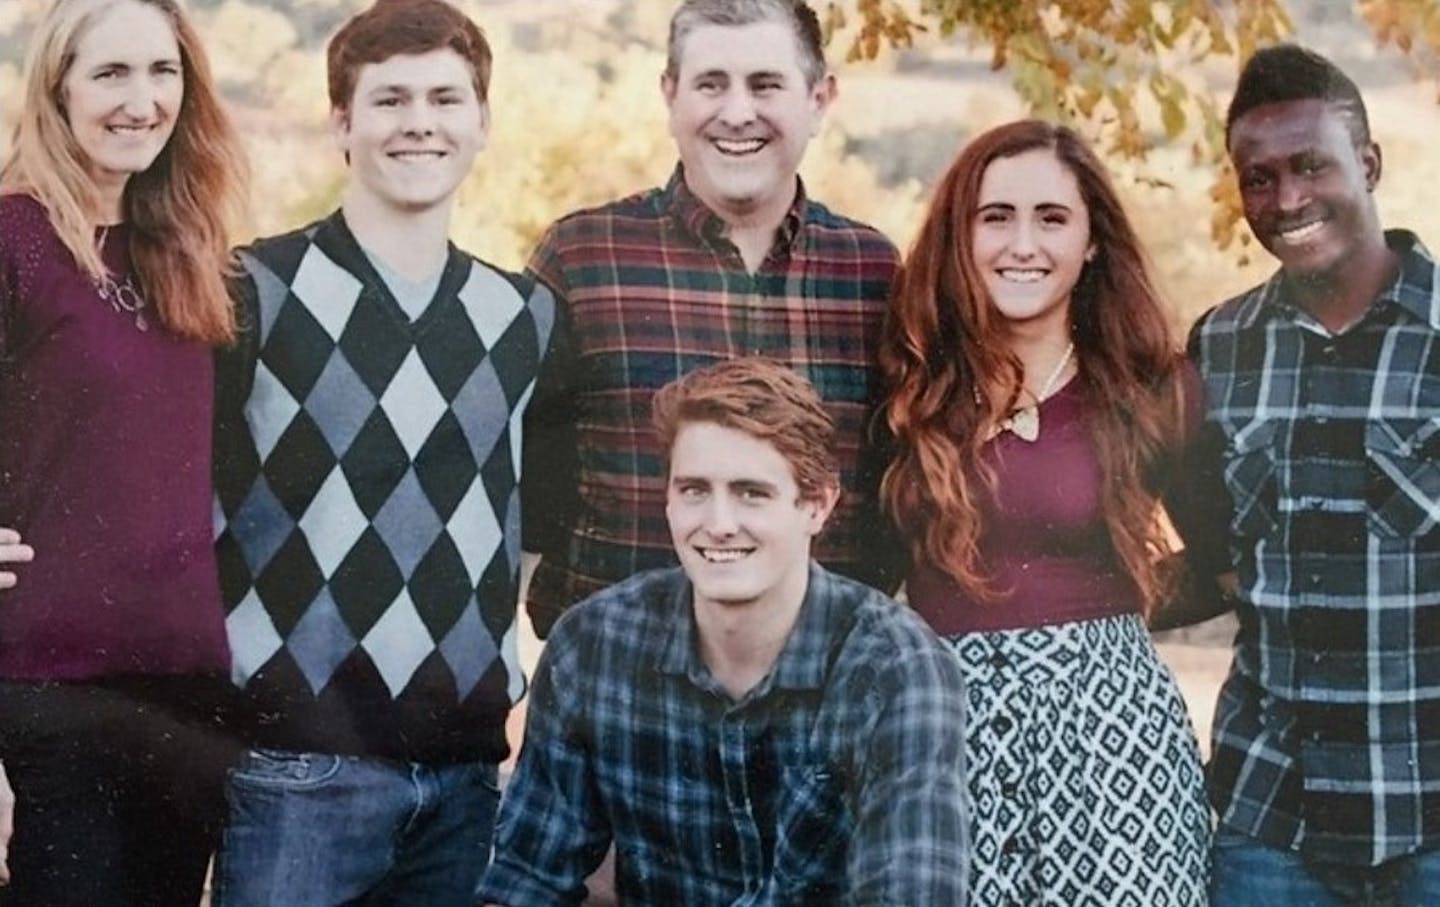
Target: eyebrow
pixel 126 64
pixel 1009 206
pixel 402 88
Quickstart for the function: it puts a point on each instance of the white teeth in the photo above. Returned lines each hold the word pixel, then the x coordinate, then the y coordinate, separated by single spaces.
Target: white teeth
pixel 723 555
pixel 1301 234
pixel 414 155
pixel 749 146
pixel 1022 275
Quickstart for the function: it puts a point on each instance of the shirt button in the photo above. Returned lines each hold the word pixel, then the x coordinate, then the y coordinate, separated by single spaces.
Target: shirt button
pixel 998 660
pixel 1314 502
pixel 1001 724
pixel 1315 580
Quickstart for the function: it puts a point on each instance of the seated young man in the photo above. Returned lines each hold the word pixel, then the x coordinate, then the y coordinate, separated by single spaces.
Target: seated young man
pixel 747 727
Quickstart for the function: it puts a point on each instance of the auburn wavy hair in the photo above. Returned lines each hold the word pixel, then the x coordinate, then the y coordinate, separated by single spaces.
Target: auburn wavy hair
pixel 179 210
pixel 946 362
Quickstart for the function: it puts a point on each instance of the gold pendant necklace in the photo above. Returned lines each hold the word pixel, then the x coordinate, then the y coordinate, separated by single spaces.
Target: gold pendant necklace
pixel 1024 423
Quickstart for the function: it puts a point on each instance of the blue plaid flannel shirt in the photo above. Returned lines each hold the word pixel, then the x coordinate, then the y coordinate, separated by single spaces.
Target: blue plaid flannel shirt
pixel 1327 731
pixel 837 780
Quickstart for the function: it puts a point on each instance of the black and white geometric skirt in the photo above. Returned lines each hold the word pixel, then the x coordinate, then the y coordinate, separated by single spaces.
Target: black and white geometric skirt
pixel 1085 780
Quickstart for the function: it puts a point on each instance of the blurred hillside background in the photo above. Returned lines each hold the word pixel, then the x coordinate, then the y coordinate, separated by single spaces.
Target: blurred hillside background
pixel 578 119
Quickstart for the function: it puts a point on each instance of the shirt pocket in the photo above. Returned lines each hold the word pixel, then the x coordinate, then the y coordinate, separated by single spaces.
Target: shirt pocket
pixel 813 833
pixel 1250 477
pixel 1402 496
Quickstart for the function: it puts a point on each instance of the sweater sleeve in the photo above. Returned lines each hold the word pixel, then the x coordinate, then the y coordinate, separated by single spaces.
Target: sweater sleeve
pixel 235 459
pixel 551 473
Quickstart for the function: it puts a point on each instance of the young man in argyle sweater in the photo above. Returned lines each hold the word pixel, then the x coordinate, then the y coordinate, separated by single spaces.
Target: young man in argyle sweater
pixel 368 460
pixel 748 727
pixel 1320 457
pixel 731 257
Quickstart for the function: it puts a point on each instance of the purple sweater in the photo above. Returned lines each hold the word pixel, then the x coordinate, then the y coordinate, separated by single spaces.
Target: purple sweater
pixel 1044 540
pixel 104 469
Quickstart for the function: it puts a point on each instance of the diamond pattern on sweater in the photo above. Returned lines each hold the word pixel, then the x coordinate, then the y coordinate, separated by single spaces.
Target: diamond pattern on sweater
pixel 327 290
pixel 476 531
pixel 467 649
pixel 270 411
pixel 398 643
pixel 264 522
pixel 253 638
pixel 339 404
pixel 298 349
pixel 320 641
pixel 413 403
pixel 332 523
pixel 407 524
pixel 483 396
pixel 372 543
pixel 491 303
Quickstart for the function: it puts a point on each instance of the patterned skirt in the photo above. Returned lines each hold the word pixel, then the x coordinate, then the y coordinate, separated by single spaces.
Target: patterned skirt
pixel 1085 780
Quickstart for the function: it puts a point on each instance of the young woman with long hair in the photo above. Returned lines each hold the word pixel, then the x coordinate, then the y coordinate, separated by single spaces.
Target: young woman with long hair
pixel 1038 403
pixel 114 205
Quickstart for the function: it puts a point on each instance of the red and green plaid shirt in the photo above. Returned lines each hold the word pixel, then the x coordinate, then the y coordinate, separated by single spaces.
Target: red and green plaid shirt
pixel 649 289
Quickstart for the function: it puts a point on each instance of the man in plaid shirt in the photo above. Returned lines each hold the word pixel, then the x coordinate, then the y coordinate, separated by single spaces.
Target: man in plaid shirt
pixel 748 728
pixel 1323 425
pixel 729 258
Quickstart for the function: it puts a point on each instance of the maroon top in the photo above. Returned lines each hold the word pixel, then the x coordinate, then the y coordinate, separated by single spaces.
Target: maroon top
pixel 104 469
pixel 1044 537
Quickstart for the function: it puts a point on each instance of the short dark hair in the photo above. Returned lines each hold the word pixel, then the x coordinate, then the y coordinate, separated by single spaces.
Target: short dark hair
pixel 1289 72
pixel 392 27
pixel 765 399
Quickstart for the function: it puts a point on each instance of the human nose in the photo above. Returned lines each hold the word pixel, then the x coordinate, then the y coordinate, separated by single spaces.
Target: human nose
pixel 720 516
pixel 1290 192
pixel 141 98
pixel 418 119
pixel 1022 239
pixel 737 108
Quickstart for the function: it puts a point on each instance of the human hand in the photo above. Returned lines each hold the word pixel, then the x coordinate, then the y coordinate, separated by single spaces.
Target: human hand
pixel 7 824
pixel 12 551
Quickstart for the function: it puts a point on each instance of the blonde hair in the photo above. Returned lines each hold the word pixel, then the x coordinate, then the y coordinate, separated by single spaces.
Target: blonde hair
pixel 179 209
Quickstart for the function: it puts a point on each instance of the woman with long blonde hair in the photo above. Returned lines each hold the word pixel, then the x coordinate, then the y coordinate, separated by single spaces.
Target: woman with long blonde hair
pixel 1038 402
pixel 114 205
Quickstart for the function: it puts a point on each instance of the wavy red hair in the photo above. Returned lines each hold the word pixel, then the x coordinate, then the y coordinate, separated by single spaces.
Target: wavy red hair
pixel 945 348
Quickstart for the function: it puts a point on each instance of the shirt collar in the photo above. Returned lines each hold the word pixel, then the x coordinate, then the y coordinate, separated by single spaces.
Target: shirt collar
pixel 1416 288
pixel 804 659
pixel 704 224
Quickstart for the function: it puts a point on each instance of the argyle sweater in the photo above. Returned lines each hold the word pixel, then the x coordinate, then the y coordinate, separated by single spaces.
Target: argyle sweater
pixel 367 519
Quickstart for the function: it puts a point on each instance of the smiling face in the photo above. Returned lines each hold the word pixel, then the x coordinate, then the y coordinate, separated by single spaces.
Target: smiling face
pixel 1030 238
pixel 123 91
pixel 739 525
pixel 741 114
pixel 412 130
pixel 1306 185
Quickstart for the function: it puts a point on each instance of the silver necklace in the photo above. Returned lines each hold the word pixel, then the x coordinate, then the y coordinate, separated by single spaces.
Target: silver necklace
pixel 124 298
pixel 1024 422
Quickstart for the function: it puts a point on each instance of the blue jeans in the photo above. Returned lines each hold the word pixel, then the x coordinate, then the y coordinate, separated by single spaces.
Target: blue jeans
pixel 1247 873
pixel 312 828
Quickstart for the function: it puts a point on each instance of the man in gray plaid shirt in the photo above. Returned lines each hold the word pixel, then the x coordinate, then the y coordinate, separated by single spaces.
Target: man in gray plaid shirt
pixel 1322 446
pixel 748 728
